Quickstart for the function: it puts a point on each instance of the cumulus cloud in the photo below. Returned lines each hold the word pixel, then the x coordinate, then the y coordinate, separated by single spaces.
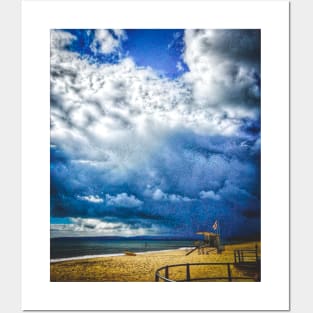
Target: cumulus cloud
pixel 179 66
pixel 107 42
pixel 224 69
pixel 120 33
pixel 91 198
pixel 210 194
pixel 109 102
pixel 60 39
pixel 98 227
pixel 159 195
pixel 123 200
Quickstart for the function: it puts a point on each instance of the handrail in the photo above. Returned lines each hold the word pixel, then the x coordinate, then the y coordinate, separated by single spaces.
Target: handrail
pixel 229 277
pixel 246 255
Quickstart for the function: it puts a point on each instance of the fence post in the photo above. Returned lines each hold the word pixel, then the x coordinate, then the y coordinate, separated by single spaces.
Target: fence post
pixel 156 277
pixel 229 272
pixel 256 253
pixel 242 255
pixel 235 259
pixel 166 272
pixel 187 272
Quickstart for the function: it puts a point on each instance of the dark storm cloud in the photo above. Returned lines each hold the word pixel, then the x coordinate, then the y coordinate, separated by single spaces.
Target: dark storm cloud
pixel 224 67
pixel 236 44
pixel 186 167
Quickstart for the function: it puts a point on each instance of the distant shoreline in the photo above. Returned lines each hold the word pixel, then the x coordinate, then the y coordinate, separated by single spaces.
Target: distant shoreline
pixel 87 247
pixel 66 249
pixel 95 256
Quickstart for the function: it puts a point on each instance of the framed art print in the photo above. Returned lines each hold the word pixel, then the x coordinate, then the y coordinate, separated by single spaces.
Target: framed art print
pixel 155 149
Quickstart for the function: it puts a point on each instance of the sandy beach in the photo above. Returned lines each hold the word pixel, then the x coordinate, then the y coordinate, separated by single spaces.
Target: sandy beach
pixel 142 267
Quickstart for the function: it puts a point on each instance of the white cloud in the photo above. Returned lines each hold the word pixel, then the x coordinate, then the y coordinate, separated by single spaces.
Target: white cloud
pixel 104 42
pixel 210 194
pixel 123 200
pixel 88 162
pixel 60 39
pixel 179 66
pixel 177 198
pixel 119 114
pixel 159 195
pixel 222 67
pixel 91 198
pixel 98 227
pixel 93 223
pixel 120 33
pixel 110 99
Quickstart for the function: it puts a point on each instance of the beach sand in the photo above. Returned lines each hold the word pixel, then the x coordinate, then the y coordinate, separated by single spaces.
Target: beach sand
pixel 142 267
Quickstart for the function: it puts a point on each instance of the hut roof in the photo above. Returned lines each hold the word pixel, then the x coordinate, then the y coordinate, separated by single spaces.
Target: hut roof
pixel 206 233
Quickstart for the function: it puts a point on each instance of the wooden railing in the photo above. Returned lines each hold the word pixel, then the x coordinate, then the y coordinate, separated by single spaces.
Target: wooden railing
pixel 246 256
pixel 244 259
pixel 162 274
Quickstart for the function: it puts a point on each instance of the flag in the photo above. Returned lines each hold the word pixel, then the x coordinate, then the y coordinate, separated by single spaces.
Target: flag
pixel 215 225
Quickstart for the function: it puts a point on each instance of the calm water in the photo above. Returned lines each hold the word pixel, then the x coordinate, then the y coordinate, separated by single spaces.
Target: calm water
pixel 77 247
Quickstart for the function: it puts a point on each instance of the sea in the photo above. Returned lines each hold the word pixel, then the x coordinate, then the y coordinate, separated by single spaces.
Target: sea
pixel 84 247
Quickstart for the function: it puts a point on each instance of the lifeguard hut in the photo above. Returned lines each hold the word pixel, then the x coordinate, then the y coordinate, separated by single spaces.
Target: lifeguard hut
pixel 211 242
pixel 210 239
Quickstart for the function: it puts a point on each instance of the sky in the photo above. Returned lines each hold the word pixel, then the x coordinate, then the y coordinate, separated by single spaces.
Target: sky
pixel 155 132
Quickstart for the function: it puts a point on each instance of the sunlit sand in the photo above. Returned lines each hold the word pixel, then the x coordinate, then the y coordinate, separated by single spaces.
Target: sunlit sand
pixel 142 267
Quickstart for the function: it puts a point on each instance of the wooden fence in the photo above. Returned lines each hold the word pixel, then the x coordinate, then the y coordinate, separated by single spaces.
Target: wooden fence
pixel 163 273
pixel 247 258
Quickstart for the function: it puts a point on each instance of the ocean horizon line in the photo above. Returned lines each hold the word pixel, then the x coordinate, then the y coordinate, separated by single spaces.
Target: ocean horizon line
pixel 94 256
pixel 157 237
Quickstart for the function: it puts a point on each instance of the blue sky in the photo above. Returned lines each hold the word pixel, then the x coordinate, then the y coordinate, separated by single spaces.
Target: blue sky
pixel 155 132
pixel 159 49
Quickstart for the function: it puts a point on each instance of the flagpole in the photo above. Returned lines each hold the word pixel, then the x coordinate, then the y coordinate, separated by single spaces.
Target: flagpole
pixel 219 231
pixel 219 234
